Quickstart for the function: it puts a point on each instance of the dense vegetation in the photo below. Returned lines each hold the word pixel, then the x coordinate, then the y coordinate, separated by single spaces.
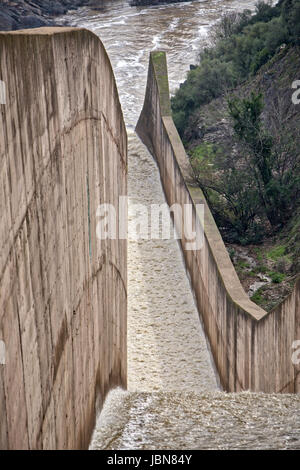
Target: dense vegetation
pixel 259 188
pixel 241 130
pixel 241 44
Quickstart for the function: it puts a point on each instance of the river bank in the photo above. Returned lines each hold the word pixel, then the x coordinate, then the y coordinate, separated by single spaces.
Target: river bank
pixel 23 14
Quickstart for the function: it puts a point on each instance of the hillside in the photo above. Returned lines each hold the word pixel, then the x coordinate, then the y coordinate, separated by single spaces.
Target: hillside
pixel 244 146
pixel 277 256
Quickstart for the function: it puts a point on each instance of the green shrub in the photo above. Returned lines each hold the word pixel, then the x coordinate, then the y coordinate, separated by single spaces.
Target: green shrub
pixel 276 252
pixel 277 278
pixel 257 297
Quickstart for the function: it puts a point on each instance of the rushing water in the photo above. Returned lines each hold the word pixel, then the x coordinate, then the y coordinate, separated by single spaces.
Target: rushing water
pixel 130 33
pixel 167 349
pixel 172 399
pixel 191 420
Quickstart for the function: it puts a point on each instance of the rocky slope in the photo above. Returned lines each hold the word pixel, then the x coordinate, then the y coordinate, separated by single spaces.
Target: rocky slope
pixel 21 14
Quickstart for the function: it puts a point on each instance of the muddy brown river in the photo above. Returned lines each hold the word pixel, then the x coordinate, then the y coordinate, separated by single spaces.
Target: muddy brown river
pixel 173 399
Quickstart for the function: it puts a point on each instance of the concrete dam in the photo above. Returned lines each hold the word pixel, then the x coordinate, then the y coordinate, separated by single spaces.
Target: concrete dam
pixel 83 319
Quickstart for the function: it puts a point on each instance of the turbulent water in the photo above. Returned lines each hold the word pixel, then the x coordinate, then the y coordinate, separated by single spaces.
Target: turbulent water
pixel 130 33
pixel 172 399
pixel 167 349
pixel 198 421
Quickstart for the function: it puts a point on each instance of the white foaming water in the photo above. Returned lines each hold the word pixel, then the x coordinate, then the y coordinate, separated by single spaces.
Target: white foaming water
pixel 130 33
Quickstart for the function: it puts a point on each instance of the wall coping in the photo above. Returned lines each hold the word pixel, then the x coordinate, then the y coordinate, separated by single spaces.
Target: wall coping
pixel 45 30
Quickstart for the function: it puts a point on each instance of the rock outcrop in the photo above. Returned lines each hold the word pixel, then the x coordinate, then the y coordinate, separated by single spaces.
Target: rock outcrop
pixel 21 14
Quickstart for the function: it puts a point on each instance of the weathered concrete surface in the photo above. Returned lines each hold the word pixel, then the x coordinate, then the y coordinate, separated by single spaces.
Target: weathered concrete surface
pixel 252 349
pixel 63 299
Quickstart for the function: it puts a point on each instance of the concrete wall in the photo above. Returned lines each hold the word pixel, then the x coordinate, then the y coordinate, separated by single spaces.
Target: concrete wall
pixel 63 151
pixel 252 349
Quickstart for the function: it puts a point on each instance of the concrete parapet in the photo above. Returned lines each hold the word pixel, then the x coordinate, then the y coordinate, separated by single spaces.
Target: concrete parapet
pixel 252 349
pixel 63 292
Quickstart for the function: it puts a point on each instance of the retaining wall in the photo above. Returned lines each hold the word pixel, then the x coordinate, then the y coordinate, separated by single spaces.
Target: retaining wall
pixel 252 349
